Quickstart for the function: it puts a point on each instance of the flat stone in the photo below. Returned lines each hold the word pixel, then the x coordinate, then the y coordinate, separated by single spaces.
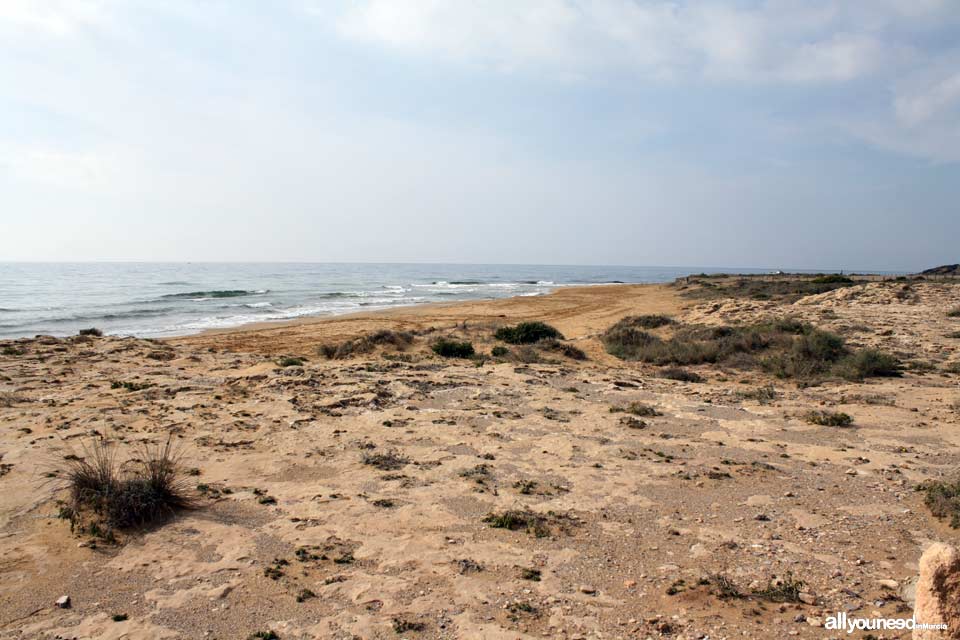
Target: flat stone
pixel 63 602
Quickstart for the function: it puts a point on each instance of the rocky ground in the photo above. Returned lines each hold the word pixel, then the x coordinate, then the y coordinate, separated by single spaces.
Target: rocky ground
pixel 350 498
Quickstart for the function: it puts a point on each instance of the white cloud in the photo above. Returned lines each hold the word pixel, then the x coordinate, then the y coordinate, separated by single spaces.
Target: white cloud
pixel 50 17
pixel 773 41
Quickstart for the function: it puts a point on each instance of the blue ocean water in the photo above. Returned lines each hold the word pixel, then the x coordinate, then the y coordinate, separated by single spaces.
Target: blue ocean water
pixel 165 299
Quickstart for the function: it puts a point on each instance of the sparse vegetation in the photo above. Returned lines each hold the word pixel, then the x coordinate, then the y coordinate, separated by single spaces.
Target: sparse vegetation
pixel 264 635
pixel 563 348
pixel 829 418
pixel 637 409
pixel 682 375
pixel 516 520
pixel 92 332
pixel 130 386
pixel 527 333
pixel 954 313
pixel 290 361
pixel 785 288
pixel 402 625
pixel 763 395
pixel 725 588
pixel 786 589
pixel 139 491
pixel 366 344
pixel 388 461
pixel 787 348
pixel 446 348
pixel 13 351
pixel 499 351
pixel 943 500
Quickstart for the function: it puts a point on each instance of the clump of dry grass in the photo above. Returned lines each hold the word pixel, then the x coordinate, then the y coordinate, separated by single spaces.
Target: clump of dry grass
pixel 366 344
pixel 118 495
pixel 943 500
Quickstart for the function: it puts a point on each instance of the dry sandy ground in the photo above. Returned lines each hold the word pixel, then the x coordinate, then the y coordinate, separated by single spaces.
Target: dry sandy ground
pixel 716 484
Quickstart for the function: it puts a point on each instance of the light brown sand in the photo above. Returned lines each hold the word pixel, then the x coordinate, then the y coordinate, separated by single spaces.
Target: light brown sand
pixel 716 484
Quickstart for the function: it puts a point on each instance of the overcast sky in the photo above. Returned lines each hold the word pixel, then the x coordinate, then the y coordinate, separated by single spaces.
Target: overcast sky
pixel 781 133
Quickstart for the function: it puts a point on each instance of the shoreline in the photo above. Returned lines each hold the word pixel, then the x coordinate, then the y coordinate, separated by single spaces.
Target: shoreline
pixel 577 311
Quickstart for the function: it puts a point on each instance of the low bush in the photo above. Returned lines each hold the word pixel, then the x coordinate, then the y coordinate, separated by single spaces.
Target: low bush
pixel 943 500
pixel 954 313
pixel 499 351
pixel 527 333
pixel 290 361
pixel 637 409
pixel 366 344
pixel 139 491
pixel 92 331
pixel 786 347
pixel 563 348
pixel 682 375
pixel 446 348
pixel 829 418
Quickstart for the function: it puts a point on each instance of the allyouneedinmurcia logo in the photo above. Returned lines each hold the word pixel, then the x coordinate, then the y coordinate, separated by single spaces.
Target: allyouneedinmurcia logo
pixel 848 624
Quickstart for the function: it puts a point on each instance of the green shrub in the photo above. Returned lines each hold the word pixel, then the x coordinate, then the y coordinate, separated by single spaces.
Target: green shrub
pixel 954 313
pixel 527 333
pixel 943 500
pixel 568 350
pixel 833 278
pixel 366 344
pixel 682 375
pixel 637 409
pixel 499 351
pixel 868 363
pixel 290 361
pixel 447 348
pixel 829 418
pixel 92 331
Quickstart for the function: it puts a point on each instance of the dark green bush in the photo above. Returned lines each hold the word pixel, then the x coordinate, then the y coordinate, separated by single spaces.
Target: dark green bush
pixel 290 361
pixel 830 418
pixel 527 333
pixel 943 500
pixel 447 348
pixel 954 313
pixel 499 351
pixel 682 375
pixel 92 331
pixel 568 350
pixel 868 363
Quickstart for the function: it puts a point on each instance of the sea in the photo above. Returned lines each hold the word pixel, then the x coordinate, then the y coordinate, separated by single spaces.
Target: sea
pixel 169 299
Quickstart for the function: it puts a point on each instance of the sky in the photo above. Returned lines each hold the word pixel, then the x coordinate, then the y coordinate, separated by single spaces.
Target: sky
pixel 728 133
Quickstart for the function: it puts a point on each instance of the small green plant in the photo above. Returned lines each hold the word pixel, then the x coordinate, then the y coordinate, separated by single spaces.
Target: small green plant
pixel 531 574
pixel 119 617
pixel 681 375
pixel 943 500
pixel 305 594
pixel 446 348
pixel 13 351
pixel 568 350
pixel 955 335
pixel 519 520
pixel 264 635
pixel 954 313
pixel 402 625
pixel 829 418
pixel 527 333
pixel 786 589
pixel 499 351
pixel 93 332
pixel 637 409
pixel 290 361
pixel 130 386
pixel 726 589
pixel 388 461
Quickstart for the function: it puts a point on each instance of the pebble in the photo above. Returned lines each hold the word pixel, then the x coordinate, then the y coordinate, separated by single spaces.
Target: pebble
pixel 63 602
pixel 893 585
pixel 807 598
pixel 587 589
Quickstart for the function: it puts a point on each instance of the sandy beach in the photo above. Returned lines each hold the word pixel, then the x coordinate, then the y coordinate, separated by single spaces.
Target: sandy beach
pixel 359 497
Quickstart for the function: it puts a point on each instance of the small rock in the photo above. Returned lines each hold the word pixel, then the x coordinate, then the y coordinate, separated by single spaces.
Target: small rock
pixel 629 584
pixel 893 585
pixel 587 589
pixel 807 598
pixel 63 602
